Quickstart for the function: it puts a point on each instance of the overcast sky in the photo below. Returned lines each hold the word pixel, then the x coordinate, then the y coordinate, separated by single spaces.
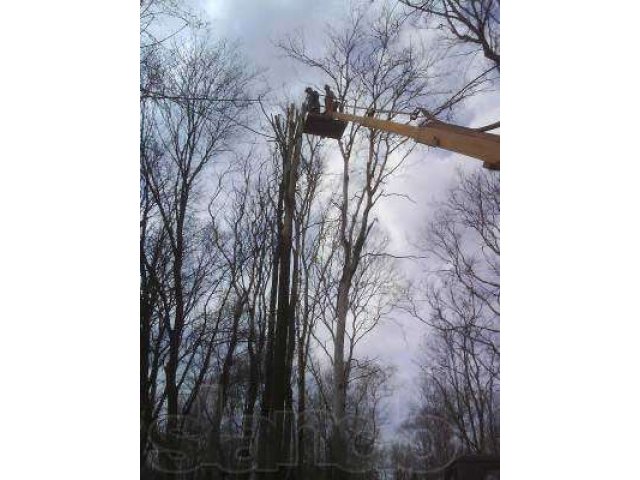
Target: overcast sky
pixel 258 25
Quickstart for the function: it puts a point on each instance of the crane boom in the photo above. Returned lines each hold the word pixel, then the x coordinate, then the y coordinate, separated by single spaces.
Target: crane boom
pixel 467 141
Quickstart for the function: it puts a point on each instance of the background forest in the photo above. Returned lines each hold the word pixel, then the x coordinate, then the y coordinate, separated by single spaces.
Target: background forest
pixel 267 257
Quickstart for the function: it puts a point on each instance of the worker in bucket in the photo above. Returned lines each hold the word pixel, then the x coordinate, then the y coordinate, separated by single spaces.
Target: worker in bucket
pixel 330 102
pixel 313 100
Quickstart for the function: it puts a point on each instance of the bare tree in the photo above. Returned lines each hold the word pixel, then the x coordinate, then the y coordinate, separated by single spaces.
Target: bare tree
pixel 463 240
pixel 230 371
pixel 467 22
pixel 370 66
pixel 260 235
pixel 163 20
pixel 279 348
pixel 190 135
pixel 461 365
pixel 154 276
pixel 160 22
pixel 260 277
pixel 309 270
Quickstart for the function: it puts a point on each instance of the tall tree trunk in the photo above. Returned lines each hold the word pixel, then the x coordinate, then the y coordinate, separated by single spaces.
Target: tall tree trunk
pixel 146 405
pixel 252 390
pixel 215 447
pixel 289 447
pixel 338 434
pixel 302 368
pixel 289 134
pixel 264 454
pixel 175 333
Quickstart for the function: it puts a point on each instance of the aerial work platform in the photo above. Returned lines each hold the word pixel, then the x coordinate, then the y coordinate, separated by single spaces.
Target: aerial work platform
pixel 473 142
pixel 324 125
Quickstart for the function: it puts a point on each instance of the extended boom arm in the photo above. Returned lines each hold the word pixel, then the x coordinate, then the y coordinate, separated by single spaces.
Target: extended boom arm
pixel 481 145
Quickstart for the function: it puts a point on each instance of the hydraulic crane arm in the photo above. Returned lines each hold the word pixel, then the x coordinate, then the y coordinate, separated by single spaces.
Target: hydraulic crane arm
pixel 467 141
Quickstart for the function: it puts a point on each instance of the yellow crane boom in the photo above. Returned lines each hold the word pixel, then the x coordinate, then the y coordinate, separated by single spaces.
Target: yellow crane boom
pixel 467 141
